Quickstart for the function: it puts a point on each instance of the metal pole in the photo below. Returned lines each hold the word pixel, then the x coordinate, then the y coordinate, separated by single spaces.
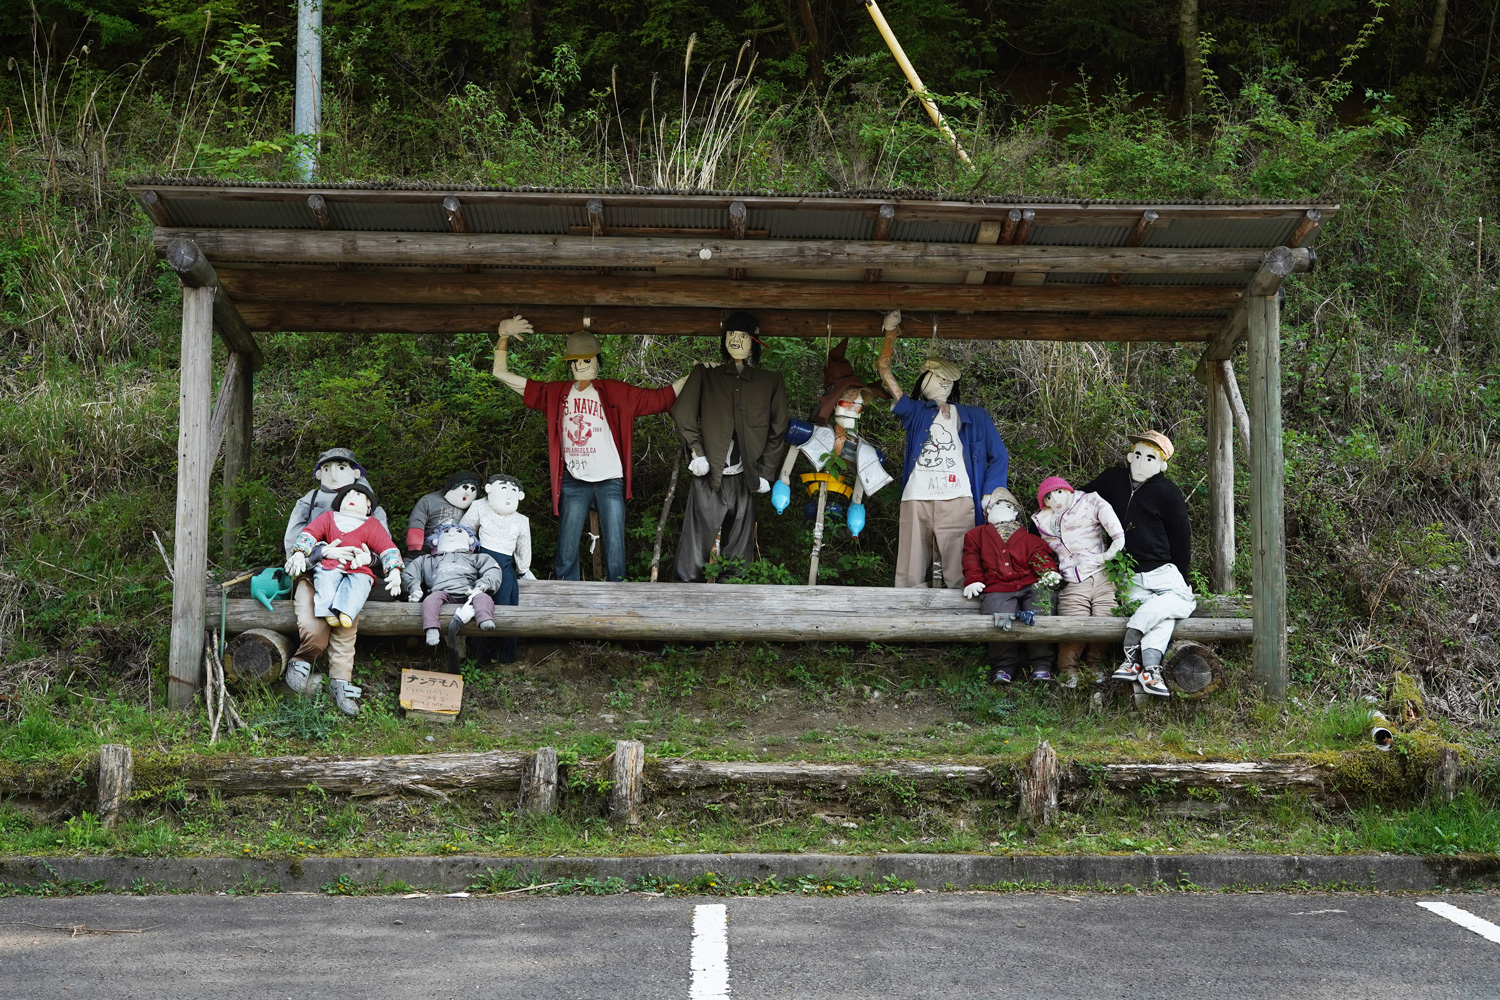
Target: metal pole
pixel 307 111
pixel 912 78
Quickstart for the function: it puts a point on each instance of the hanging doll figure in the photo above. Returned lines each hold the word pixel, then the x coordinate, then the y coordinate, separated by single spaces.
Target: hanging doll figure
pixel 340 589
pixel 1084 533
pixel 505 536
pixel 441 507
pixel 1004 562
pixel 453 571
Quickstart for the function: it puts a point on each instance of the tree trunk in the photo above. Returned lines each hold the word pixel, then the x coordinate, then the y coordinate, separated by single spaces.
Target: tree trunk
pixel 1192 55
pixel 539 783
pixel 116 778
pixel 628 793
pixel 1435 38
pixel 1038 788
pixel 814 43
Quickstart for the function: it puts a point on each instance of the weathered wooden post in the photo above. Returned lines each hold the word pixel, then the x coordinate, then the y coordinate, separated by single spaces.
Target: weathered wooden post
pixel 1220 482
pixel 1267 507
pixel 194 464
pixel 628 793
pixel 539 783
pixel 116 778
pixel 1038 788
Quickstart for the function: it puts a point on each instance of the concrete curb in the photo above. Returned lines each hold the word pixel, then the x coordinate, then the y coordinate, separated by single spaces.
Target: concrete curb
pixel 928 871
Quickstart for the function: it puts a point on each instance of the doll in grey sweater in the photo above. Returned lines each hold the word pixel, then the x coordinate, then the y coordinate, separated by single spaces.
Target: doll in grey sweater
pixel 452 571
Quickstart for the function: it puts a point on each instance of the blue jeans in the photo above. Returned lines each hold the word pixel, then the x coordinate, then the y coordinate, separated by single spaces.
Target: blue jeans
pixel 336 590
pixel 577 495
pixel 509 594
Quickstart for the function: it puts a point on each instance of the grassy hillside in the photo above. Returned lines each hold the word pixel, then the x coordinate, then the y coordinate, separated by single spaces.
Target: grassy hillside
pixel 1391 381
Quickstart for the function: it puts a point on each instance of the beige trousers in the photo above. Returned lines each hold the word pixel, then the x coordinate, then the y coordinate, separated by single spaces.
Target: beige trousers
pixel 317 635
pixel 1094 597
pixel 928 526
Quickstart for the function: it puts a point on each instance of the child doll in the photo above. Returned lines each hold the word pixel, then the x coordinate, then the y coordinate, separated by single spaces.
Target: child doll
pixel 1084 532
pixel 453 572
pixel 441 507
pixel 505 536
pixel 1004 562
pixel 339 589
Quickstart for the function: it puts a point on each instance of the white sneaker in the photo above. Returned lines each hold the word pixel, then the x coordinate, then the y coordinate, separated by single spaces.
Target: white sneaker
pixel 1151 680
pixel 1128 672
pixel 345 696
pixel 299 676
pixel 1068 678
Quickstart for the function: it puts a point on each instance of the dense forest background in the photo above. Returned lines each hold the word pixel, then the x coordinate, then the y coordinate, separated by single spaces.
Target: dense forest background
pixel 1392 363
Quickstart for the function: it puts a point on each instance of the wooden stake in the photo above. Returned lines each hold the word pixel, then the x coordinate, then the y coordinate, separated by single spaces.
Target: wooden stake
pixel 1039 785
pixel 596 545
pixel 817 546
pixel 194 464
pixel 239 444
pixel 539 783
pixel 661 522
pixel 1220 484
pixel 1267 506
pixel 116 779
pixel 628 793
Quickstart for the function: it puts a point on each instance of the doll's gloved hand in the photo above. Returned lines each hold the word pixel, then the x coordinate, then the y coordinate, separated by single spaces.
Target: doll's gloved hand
pixel 528 575
pixel 415 596
pixel 343 554
pixel 891 321
pixel 393 582
pixel 973 590
pixel 764 486
pixel 1051 578
pixel 516 326
pixel 296 564
pixel 362 557
pixel 698 466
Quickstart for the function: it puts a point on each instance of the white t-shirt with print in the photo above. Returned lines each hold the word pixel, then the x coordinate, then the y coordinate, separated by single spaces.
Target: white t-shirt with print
pixel 939 473
pixel 589 451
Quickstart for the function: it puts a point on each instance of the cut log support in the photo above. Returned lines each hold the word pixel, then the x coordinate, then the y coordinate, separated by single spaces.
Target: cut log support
pixel 628 793
pixel 1443 785
pixel 1136 238
pixel 737 221
pixel 157 209
pixel 539 783
pixel 1270 273
pixel 458 222
pixel 679 775
pixel 1267 505
pixel 1231 387
pixel 1268 776
pixel 595 209
pixel 1220 484
pixel 116 781
pixel 1306 226
pixel 194 465
pixel 1193 670
pixel 194 271
pixel 318 206
pixel 989 235
pixel 712 254
pixel 1039 784
pixel 1015 232
pixel 421 773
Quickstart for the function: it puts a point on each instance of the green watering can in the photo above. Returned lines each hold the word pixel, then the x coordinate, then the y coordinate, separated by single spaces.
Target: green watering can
pixel 270 584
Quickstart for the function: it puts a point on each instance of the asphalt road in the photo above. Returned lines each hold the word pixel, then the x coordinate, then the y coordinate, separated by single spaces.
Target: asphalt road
pixel 1050 945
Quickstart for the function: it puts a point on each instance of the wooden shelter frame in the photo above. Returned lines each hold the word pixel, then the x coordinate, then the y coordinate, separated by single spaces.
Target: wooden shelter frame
pixel 367 258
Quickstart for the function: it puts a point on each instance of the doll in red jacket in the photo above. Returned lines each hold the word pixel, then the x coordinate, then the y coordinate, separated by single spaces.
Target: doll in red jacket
pixel 1003 563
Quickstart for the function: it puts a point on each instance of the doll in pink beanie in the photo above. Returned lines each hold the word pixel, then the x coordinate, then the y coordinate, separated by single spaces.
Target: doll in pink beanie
pixel 1083 532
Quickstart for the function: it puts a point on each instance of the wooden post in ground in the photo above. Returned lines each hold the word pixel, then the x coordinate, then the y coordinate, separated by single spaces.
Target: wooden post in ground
pixel 539 783
pixel 1220 484
pixel 239 440
pixel 1267 515
pixel 628 793
pixel 194 465
pixel 116 778
pixel 1038 788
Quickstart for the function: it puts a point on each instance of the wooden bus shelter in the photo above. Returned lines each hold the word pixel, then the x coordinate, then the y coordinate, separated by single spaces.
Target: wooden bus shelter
pixel 420 258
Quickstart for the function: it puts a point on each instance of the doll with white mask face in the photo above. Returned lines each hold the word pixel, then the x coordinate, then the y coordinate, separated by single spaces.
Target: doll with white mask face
pixel 1003 564
pixel 732 419
pixel 834 431
pixel 453 571
pixel 590 427
pixel 333 470
pixel 954 458
pixel 445 506
pixel 505 536
pixel 1158 538
pixel 1084 533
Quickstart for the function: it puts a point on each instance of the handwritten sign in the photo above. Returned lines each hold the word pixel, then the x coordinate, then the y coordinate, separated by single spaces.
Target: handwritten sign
pixel 430 691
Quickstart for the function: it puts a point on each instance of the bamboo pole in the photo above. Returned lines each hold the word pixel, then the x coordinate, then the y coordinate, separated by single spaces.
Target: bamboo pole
pixel 911 77
pixel 817 547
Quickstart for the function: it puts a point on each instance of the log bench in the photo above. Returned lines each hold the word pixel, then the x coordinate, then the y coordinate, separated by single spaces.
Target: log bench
pixel 688 612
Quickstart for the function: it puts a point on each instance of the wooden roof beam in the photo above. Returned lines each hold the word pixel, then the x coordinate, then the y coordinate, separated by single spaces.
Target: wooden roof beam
pixel 371 318
pixel 194 271
pixel 713 255
pixel 883 222
pixel 523 288
pixel 1136 238
pixel 1278 263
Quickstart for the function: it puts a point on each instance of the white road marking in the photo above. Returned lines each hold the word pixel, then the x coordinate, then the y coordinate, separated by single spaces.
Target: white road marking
pixel 1465 919
pixel 1314 913
pixel 710 952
